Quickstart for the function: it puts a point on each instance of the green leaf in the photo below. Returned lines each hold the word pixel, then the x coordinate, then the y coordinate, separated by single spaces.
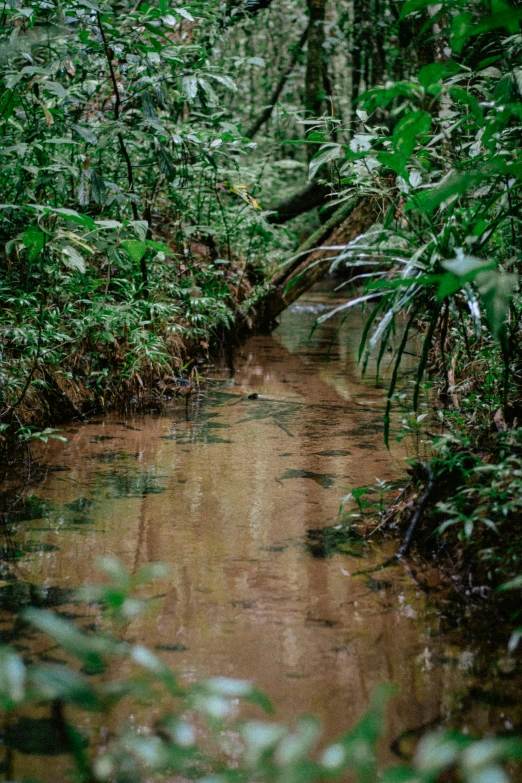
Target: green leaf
pixel 159 246
pixel 115 570
pixel 183 12
pixel 513 584
pixel 155 666
pixel 73 260
pixel 407 131
pixel 437 751
pixel 98 188
pixel 152 571
pixel 140 227
pixel 85 133
pixel 460 94
pixel 496 290
pixel 148 106
pixel 504 15
pixel 61 682
pixel 189 85
pixel 166 164
pixel 460 30
pixel 226 81
pixel 135 248
pixel 449 284
pixel 66 635
pixel 450 188
pixel 207 89
pixel 71 214
pixel 12 678
pixel 396 163
pixel 464 265
pixel 414 5
pixel 34 240
pixel 83 190
pixel 436 72
pixel 325 155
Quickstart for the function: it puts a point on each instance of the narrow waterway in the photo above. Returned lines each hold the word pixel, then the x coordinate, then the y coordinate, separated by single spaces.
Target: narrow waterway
pixel 224 490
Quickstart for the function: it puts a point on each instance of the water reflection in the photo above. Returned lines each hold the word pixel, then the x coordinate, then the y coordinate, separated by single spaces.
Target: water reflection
pixel 226 498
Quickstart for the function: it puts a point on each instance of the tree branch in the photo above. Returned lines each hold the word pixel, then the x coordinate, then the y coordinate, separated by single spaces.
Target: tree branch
pixel 267 113
pixel 311 196
pixel 117 103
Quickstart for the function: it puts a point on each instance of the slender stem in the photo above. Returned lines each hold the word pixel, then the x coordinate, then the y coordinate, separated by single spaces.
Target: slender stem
pixel 117 104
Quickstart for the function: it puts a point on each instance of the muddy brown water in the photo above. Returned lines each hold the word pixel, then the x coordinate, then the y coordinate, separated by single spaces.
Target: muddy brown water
pixel 224 491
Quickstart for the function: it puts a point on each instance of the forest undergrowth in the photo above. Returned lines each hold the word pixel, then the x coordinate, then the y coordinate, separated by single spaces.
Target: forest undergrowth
pixel 163 168
pixel 153 159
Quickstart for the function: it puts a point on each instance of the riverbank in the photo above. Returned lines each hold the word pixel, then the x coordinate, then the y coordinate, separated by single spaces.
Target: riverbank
pixel 460 510
pixel 88 350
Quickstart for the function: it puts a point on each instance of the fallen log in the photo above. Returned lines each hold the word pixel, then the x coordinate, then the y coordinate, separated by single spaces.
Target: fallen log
pixel 312 196
pixel 313 259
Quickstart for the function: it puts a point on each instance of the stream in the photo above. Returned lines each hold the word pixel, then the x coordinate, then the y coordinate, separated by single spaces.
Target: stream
pixel 224 488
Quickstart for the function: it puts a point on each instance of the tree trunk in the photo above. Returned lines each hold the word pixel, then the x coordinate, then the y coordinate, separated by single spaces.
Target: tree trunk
pixel 267 113
pixel 310 197
pixel 314 79
pixel 352 219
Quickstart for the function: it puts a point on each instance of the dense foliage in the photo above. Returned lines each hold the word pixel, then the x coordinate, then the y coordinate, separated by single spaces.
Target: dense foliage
pixel 150 154
pixel 440 151
pixel 128 231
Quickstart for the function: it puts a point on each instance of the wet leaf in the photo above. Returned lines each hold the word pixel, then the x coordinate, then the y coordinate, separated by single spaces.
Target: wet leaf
pixel 62 682
pixel 12 678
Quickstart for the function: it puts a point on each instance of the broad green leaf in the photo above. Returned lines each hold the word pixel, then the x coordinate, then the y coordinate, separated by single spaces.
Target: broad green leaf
pixel 436 72
pixel 84 189
pixel 411 6
pixel 115 570
pixel 453 186
pixel 407 131
pixel 12 678
pixel 464 265
pixel 148 106
pixel 298 743
pixel 135 248
pixel 166 164
pixel 152 571
pixel 73 260
pixel 85 133
pixel 225 80
pixel 496 290
pixel 34 240
pixel 61 682
pixel 325 155
pixel 66 635
pixel 190 86
pixel 98 189
pixel 460 30
pixel 437 751
pixel 12 79
pixel 207 89
pixel 513 584
pixel 71 214
pixel 140 227
pixel 226 686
